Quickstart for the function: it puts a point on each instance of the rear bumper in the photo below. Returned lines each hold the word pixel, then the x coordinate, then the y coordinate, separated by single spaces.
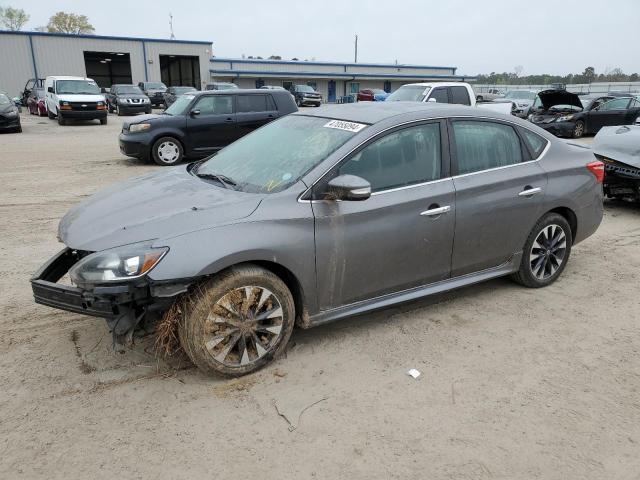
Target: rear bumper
pixel 83 114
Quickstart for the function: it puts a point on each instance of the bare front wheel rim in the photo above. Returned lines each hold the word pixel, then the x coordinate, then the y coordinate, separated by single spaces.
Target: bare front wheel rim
pixel 243 326
pixel 579 129
pixel 168 152
pixel 548 252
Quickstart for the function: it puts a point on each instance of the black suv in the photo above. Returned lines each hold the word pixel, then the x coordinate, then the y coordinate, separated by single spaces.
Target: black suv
pixel 306 95
pixel 200 123
pixel 155 92
pixel 126 99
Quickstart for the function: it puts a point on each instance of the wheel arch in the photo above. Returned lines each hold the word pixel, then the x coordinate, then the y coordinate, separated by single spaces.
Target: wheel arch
pixel 570 216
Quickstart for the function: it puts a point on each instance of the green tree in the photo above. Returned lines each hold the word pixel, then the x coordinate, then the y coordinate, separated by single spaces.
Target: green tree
pixel 13 18
pixel 63 22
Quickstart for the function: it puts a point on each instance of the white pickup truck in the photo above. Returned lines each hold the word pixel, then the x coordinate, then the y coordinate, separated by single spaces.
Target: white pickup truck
pixel 445 92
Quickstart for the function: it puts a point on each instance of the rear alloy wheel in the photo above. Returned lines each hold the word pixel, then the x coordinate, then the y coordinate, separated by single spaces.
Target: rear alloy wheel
pixel 578 130
pixel 238 322
pixel 546 252
pixel 167 151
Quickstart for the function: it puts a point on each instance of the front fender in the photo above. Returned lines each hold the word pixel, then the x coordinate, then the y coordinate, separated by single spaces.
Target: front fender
pixel 288 243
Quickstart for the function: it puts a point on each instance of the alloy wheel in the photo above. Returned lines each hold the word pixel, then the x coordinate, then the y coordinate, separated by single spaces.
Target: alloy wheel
pixel 243 326
pixel 168 152
pixel 548 251
pixel 578 130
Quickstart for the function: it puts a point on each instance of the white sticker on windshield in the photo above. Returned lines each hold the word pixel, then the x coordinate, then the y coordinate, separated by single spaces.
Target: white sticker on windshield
pixel 342 125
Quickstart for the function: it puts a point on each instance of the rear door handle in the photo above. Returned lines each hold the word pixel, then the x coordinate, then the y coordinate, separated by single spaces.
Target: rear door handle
pixel 434 212
pixel 530 192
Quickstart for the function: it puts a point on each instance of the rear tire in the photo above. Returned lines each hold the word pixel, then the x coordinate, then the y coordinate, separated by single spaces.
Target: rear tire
pixel 238 322
pixel 479 98
pixel 545 253
pixel 103 121
pixel 167 151
pixel 50 115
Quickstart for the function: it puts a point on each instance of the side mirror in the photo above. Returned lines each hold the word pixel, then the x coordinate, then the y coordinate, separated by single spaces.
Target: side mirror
pixel 433 100
pixel 348 187
pixel 194 113
pixel 50 89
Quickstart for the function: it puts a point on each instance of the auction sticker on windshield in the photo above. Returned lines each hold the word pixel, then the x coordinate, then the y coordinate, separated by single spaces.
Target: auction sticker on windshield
pixel 342 125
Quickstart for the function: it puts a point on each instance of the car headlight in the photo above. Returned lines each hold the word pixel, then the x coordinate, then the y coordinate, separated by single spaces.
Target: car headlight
pixel 145 100
pixel 530 118
pixel 139 127
pixel 564 118
pixel 122 100
pixel 116 265
pixel 11 114
pixel 522 105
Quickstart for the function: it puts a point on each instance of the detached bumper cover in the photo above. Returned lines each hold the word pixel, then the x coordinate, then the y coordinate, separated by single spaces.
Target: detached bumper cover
pixel 46 290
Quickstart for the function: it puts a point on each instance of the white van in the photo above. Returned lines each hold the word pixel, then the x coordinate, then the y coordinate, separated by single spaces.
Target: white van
pixel 444 92
pixel 74 97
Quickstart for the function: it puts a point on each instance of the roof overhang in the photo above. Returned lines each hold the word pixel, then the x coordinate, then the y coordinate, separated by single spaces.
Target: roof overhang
pixel 338 75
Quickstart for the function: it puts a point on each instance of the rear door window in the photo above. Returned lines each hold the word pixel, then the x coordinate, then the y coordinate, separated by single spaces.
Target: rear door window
pixel 484 145
pixel 459 95
pixel 252 103
pixel 535 142
pixel 215 105
pixel 440 95
pixel 404 157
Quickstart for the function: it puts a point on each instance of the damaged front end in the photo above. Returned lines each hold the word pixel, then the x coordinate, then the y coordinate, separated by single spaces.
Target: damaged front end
pixel 118 291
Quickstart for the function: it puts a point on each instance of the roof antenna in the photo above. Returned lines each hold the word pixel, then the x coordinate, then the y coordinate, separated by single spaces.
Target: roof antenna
pixel 173 37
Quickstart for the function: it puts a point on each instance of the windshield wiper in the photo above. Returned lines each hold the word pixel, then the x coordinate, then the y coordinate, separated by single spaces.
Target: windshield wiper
pixel 223 179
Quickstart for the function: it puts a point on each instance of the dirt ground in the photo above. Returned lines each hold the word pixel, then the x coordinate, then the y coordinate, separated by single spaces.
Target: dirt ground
pixel 515 384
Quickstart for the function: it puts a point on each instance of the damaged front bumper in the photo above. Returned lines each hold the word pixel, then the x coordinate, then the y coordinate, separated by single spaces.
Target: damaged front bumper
pixel 124 305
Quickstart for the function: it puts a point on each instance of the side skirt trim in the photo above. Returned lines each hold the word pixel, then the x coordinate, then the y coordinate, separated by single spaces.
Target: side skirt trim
pixel 511 266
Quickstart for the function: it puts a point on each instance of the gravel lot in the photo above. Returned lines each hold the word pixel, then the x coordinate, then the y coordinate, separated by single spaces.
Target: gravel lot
pixel 515 384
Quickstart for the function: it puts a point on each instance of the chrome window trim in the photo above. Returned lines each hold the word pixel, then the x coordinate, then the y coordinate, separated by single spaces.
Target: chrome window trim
pixel 422 120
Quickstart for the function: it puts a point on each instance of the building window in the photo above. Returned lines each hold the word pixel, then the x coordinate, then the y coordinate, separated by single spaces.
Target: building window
pixel 287 85
pixel 354 87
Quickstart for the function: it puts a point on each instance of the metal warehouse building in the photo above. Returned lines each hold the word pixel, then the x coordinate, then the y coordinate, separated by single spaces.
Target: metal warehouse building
pixel 25 55
pixel 108 60
pixel 332 79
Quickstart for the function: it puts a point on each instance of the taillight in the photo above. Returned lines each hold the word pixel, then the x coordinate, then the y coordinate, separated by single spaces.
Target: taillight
pixel 597 168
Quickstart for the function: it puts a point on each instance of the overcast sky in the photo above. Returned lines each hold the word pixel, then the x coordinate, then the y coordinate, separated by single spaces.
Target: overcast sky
pixel 542 36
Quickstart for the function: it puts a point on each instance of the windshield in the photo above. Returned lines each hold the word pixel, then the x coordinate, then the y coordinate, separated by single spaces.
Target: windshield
pixel 275 156
pixel 4 100
pixel 155 86
pixel 409 93
pixel 129 89
pixel 521 95
pixel 181 90
pixel 304 88
pixel 77 87
pixel 180 105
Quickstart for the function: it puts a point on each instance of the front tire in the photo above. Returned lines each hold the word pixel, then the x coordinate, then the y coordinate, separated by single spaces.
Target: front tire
pixel 578 129
pixel 546 252
pixel 167 151
pixel 61 121
pixel 238 322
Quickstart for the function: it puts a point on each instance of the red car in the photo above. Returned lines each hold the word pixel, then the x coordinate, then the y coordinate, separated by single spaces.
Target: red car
pixel 372 95
pixel 35 102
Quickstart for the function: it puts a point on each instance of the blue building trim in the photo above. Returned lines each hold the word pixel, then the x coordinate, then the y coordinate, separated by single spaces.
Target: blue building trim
pixel 33 58
pixel 333 64
pixel 339 75
pixel 103 37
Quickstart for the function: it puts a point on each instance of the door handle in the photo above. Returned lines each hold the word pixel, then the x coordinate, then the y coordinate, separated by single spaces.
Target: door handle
pixel 229 120
pixel 434 212
pixel 530 192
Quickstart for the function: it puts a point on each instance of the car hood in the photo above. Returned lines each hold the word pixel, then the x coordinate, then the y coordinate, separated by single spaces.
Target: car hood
pixel 80 98
pixel 621 144
pixel 154 118
pixel 158 205
pixel 550 98
pixel 9 107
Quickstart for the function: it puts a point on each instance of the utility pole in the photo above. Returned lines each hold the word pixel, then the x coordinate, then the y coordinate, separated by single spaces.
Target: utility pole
pixel 355 60
pixel 173 37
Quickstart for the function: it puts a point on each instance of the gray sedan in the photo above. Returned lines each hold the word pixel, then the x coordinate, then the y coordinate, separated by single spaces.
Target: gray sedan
pixel 321 216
